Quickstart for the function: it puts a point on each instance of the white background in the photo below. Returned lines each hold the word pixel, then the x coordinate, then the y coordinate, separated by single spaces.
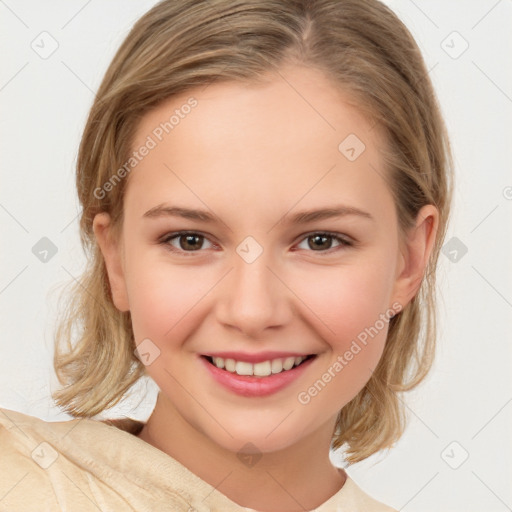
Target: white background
pixel 467 397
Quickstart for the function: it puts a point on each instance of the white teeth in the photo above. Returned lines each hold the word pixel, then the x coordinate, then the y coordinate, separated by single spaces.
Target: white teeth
pixel 288 363
pixel 243 368
pixel 229 364
pixel 263 369
pixel 277 366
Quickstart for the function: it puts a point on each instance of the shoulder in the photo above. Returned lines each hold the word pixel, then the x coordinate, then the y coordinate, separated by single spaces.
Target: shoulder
pixel 24 457
pixel 16 444
pixel 83 464
pixel 20 437
pixel 36 471
pixel 19 431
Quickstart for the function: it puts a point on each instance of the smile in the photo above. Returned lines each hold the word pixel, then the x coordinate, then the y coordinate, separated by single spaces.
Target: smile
pixel 256 375
pixel 261 369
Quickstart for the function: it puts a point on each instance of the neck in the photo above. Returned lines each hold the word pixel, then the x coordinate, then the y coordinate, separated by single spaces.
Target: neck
pixel 297 478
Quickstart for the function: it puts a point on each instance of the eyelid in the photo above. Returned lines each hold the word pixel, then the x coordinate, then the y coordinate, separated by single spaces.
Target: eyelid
pixel 344 241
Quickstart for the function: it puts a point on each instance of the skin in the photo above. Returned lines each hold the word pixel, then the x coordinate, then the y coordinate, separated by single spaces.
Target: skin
pixel 253 156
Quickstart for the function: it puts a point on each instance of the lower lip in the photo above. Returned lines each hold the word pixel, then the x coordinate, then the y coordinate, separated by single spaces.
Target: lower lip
pixel 248 385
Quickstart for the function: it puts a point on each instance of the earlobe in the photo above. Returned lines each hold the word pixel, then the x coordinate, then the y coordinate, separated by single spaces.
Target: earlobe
pixel 112 255
pixel 415 254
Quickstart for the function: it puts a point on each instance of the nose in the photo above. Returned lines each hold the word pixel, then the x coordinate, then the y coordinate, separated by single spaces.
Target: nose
pixel 254 298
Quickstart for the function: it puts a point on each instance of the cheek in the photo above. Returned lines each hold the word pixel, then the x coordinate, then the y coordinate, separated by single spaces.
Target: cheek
pixel 345 300
pixel 353 304
pixel 163 298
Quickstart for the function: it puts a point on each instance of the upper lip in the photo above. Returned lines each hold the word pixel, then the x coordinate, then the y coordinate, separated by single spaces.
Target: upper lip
pixel 256 357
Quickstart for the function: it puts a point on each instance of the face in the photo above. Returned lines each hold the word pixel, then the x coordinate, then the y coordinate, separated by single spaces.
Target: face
pixel 254 284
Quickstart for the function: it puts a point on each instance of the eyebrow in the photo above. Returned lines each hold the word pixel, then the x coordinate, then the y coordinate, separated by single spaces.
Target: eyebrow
pixel 302 217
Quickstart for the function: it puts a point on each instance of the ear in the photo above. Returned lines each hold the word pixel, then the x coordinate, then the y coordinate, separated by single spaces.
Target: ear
pixel 113 256
pixel 414 255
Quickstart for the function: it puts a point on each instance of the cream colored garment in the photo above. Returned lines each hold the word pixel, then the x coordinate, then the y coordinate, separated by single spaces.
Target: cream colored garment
pixel 85 465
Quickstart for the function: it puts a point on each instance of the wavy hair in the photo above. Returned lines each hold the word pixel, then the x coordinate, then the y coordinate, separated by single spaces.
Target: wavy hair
pixel 364 49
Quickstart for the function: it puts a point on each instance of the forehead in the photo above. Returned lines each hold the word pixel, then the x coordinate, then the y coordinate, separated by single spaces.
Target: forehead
pixel 293 139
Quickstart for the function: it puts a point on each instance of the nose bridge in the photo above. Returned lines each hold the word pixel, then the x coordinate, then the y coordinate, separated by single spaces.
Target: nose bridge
pixel 255 298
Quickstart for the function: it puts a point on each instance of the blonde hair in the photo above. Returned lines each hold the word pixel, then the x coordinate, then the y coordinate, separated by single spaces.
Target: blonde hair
pixel 366 51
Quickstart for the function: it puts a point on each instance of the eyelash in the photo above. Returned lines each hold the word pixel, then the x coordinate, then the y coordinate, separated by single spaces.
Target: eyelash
pixel 344 243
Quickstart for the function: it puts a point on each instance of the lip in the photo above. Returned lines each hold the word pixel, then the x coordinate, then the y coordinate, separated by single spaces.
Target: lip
pixel 255 358
pixel 251 386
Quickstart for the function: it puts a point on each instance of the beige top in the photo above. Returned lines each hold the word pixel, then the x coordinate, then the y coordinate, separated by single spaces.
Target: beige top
pixel 87 465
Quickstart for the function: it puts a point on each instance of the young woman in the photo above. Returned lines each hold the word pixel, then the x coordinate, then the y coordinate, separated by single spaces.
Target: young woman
pixel 265 188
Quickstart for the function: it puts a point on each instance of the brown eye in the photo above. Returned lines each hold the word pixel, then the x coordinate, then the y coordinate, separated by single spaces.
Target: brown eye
pixel 323 242
pixel 190 242
pixel 184 242
pixel 319 242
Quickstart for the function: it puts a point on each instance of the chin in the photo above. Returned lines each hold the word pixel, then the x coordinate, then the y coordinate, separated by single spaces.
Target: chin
pixel 267 436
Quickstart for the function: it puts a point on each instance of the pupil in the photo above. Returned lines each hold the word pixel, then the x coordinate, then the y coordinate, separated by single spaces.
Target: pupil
pixel 320 237
pixel 189 244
